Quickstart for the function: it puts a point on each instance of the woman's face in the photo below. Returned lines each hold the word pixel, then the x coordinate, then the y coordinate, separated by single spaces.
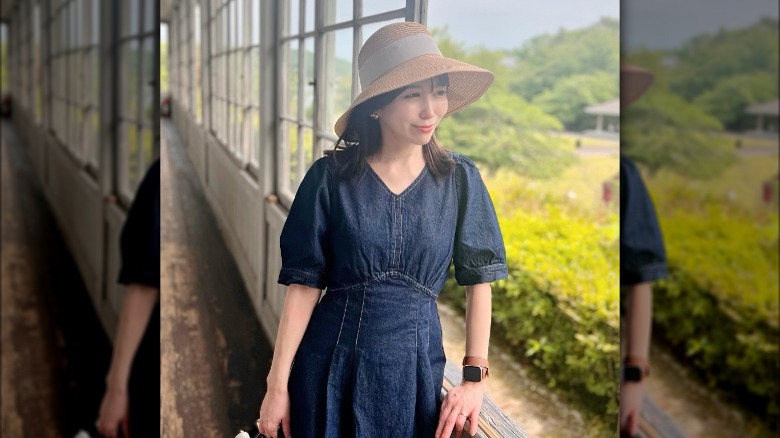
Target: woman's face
pixel 411 118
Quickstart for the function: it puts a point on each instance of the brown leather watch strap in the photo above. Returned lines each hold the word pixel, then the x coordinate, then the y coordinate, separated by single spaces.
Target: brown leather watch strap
pixel 478 362
pixel 640 362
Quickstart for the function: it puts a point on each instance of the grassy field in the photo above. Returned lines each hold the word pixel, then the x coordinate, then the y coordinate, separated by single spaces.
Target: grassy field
pixel 579 187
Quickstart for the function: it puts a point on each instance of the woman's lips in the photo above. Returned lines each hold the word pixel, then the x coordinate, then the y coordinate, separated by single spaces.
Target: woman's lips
pixel 425 128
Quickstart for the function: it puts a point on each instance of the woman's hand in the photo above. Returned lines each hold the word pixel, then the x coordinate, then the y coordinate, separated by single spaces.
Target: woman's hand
pixel 462 402
pixel 274 411
pixel 631 396
pixel 113 412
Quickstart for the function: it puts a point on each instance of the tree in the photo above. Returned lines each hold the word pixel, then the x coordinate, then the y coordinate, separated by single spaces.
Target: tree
pixel 569 96
pixel 547 59
pixel 662 130
pixel 503 130
pixel 730 96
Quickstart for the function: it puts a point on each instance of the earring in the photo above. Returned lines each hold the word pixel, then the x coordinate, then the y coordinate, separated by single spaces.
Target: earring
pixel 374 116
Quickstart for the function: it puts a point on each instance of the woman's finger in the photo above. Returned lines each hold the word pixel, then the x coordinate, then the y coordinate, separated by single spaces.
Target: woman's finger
pixel 286 427
pixel 452 419
pixel 460 422
pixel 474 420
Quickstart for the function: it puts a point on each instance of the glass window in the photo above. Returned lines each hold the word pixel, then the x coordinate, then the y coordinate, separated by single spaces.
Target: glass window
pixel 307 113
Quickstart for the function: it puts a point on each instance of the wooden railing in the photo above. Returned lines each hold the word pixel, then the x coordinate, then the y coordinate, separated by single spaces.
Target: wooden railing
pixel 493 422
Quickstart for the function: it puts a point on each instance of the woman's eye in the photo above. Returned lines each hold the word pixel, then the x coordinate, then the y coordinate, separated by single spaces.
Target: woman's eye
pixel 441 92
pixel 412 95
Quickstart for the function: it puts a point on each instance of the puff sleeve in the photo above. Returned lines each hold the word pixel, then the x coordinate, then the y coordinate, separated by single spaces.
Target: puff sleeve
pixel 304 237
pixel 479 255
pixel 642 253
pixel 140 236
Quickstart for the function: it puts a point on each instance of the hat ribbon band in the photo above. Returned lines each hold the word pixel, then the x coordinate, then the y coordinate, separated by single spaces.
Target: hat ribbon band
pixel 397 52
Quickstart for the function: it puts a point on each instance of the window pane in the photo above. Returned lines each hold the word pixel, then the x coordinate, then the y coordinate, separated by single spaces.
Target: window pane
pixel 308 85
pixel 150 15
pixel 94 65
pixel 371 7
pixel 128 72
pixel 255 22
pixel 147 149
pixel 338 76
pixel 255 75
pixel 291 130
pixel 92 132
pixel 150 80
pixel 129 17
pixel 255 137
pixel 128 143
pixel 96 21
pixel 337 11
pixel 309 15
pixel 293 27
pixel 290 52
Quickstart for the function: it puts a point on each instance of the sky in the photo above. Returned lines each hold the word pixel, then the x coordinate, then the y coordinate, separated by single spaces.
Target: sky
pixel 667 24
pixel 507 24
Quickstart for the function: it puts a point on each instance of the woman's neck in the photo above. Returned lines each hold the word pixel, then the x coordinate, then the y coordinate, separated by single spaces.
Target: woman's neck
pixel 398 154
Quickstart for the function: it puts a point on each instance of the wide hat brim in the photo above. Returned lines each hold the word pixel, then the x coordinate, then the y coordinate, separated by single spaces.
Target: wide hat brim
pixel 467 82
pixel 634 82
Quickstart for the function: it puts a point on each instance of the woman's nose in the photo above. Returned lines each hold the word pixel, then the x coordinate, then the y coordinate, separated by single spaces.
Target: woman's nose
pixel 426 111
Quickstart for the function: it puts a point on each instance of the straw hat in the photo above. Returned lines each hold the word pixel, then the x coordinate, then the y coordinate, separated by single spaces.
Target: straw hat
pixel 634 81
pixel 401 54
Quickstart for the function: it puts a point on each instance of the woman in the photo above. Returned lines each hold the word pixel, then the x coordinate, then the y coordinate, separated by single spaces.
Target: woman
pixel 131 402
pixel 377 222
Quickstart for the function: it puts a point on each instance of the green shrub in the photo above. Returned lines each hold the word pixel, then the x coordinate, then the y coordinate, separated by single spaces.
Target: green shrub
pixel 558 310
pixel 719 307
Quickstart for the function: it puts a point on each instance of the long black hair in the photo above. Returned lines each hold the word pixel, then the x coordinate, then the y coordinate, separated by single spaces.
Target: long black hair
pixel 363 137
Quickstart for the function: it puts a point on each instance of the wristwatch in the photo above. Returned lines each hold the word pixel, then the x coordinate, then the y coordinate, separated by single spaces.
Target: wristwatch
pixel 475 369
pixel 635 369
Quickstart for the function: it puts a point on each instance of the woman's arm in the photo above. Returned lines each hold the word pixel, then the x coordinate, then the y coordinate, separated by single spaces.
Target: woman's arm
pixel 638 325
pixel 479 310
pixel 137 307
pixel 134 316
pixel 299 304
pixel 640 317
pixel 465 400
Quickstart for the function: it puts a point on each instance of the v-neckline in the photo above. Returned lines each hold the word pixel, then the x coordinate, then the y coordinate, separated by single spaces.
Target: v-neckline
pixel 405 190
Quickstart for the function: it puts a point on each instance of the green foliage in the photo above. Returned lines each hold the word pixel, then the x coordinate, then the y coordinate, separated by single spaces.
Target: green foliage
pixel 502 130
pixel 719 307
pixel 567 98
pixel 709 59
pixel 720 74
pixel 662 130
pixel 4 67
pixel 547 59
pixel 164 69
pixel 729 98
pixel 558 310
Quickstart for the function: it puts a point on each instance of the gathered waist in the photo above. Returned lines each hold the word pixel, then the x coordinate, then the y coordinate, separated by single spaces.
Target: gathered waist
pixel 387 277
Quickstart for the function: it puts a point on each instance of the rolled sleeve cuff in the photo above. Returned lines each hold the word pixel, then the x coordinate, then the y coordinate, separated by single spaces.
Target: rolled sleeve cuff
pixel 288 276
pixel 485 274
pixel 643 274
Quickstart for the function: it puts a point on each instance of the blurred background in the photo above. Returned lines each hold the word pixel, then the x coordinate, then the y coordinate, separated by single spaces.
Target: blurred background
pixel 705 136
pixel 253 89
pixel 79 87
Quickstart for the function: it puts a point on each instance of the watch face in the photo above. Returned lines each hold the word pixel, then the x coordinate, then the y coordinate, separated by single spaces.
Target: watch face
pixel 632 373
pixel 472 373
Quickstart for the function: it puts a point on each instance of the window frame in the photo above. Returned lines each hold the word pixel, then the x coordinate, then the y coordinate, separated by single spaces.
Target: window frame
pixel 322 133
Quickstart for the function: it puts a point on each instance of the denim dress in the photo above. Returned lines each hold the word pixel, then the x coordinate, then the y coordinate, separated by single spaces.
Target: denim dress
pixel 371 361
pixel 642 252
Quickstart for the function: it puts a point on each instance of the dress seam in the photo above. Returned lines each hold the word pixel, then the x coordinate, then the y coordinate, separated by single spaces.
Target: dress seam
pixel 360 320
pixel 391 273
pixel 343 318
